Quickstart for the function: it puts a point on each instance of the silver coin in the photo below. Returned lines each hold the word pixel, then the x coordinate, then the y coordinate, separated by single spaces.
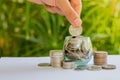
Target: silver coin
pixel 56 53
pixel 75 31
pixel 109 66
pixel 94 68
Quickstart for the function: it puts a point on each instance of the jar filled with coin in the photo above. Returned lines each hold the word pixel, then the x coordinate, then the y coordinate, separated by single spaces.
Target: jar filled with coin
pixel 77 48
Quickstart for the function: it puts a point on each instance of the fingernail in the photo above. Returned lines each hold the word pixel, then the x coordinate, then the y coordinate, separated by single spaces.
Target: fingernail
pixel 77 22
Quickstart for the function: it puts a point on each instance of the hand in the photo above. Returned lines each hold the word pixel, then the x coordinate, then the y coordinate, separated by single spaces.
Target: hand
pixel 71 9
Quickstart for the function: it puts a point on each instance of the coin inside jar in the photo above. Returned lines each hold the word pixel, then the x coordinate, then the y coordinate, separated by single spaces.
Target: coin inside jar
pixel 75 31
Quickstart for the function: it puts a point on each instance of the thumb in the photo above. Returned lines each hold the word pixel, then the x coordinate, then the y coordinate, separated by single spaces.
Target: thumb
pixel 72 16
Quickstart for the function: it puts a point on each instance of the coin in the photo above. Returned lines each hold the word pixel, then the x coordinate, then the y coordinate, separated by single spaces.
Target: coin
pixel 79 68
pixel 75 31
pixel 100 54
pixel 109 67
pixel 56 52
pixel 44 64
pixel 94 68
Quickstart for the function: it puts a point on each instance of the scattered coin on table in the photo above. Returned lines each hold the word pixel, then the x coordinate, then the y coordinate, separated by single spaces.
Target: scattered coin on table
pixel 109 67
pixel 94 68
pixel 44 64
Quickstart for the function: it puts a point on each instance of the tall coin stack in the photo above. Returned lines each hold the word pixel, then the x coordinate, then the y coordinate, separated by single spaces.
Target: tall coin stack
pixel 100 58
pixel 56 57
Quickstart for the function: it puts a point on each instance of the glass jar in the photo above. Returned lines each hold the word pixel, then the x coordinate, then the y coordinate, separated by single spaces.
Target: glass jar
pixel 77 49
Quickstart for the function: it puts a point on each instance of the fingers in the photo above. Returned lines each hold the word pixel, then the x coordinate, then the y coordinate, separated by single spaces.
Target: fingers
pixel 49 9
pixel 77 5
pixel 69 12
pixel 36 1
pixel 54 9
pixel 70 8
pixel 49 2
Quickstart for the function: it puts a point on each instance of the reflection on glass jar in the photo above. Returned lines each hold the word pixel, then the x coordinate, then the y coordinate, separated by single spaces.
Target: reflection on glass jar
pixel 78 49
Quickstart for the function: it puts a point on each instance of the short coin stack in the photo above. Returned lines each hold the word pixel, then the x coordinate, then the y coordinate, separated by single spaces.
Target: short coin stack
pixel 56 58
pixel 100 58
pixel 68 64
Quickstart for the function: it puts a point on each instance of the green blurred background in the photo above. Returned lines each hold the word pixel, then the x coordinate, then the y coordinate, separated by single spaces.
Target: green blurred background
pixel 27 29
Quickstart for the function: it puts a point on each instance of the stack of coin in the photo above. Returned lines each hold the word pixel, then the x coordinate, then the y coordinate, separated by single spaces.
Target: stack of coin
pixel 68 64
pixel 56 57
pixel 100 58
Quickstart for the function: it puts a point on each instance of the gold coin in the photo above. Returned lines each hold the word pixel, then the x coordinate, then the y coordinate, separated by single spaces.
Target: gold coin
pixel 75 31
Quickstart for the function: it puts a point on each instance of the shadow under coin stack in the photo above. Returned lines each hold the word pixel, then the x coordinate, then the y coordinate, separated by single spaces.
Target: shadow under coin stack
pixel 100 58
pixel 56 58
